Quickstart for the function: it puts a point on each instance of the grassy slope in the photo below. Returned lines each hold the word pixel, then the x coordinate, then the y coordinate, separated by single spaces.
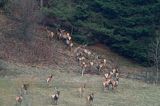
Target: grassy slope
pixel 129 92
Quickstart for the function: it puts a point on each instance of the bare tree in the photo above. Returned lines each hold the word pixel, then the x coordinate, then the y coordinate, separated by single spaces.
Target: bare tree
pixel 154 54
pixel 27 13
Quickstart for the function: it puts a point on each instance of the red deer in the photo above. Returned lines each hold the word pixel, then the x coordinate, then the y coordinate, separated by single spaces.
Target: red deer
pixel 87 52
pixel 19 99
pixel 69 44
pixel 55 97
pixel 115 73
pixel 108 75
pixel 106 84
pixel 25 88
pixel 63 34
pixel 81 59
pixel 82 89
pixel 90 98
pixel 114 83
pixel 50 34
pixel 86 65
pixel 49 79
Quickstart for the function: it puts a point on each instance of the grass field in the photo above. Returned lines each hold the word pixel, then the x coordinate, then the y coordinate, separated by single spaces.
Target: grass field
pixel 129 92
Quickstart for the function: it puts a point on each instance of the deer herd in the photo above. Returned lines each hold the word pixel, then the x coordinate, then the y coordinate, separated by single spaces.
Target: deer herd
pixel 86 61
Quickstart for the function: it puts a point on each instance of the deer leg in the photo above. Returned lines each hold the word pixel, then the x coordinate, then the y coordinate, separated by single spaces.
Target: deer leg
pixel 83 72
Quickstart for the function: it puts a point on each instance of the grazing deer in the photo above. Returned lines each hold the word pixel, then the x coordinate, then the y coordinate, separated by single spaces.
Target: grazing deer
pixel 19 99
pixel 90 98
pixel 49 79
pixel 55 97
pixel 82 89
pixel 25 88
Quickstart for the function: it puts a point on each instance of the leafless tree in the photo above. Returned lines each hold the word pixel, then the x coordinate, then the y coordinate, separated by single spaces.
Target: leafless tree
pixel 27 13
pixel 154 54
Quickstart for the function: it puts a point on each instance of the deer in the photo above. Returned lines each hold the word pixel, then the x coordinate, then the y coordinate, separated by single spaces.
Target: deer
pixel 63 34
pixel 87 52
pixel 80 59
pixel 19 99
pixel 108 75
pixel 25 87
pixel 115 72
pixel 106 84
pixel 86 65
pixel 90 98
pixel 55 97
pixel 101 64
pixel 114 83
pixel 69 44
pixel 50 34
pixel 49 79
pixel 82 89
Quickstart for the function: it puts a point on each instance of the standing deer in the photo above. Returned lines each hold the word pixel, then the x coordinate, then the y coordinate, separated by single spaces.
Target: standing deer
pixel 50 34
pixel 90 98
pixel 82 89
pixel 114 83
pixel 25 87
pixel 69 44
pixel 63 34
pixel 49 79
pixel 55 97
pixel 115 73
pixel 106 84
pixel 19 99
pixel 108 75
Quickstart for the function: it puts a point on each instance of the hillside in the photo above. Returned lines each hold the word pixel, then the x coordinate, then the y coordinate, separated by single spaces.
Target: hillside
pixel 53 53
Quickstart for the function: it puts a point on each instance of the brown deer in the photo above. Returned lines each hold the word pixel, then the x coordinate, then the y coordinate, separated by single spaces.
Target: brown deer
pixel 69 44
pixel 49 79
pixel 63 34
pixel 90 98
pixel 80 59
pixel 50 34
pixel 87 52
pixel 82 89
pixel 106 84
pixel 19 99
pixel 114 83
pixel 25 87
pixel 108 75
pixel 55 97
pixel 115 73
